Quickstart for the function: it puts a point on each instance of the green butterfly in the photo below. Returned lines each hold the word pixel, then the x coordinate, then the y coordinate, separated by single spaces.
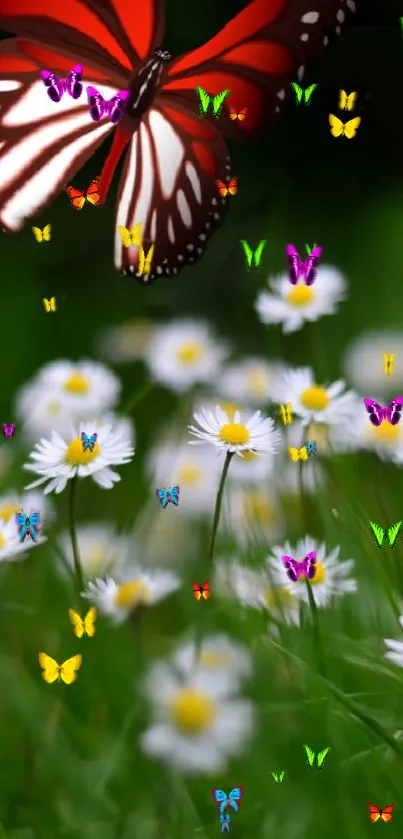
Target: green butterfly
pixel 216 101
pixel 320 757
pixel 278 776
pixel 252 258
pixel 379 533
pixel 308 249
pixel 303 94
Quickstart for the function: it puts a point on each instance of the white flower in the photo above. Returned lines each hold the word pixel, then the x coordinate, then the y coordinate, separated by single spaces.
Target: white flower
pixel 198 723
pixel 395 651
pixel 57 461
pixel 128 341
pixel 11 549
pixel 255 589
pixel 313 402
pixel 250 380
pixel 292 305
pixel 332 578
pixel 101 549
pixel 219 659
pixel 251 514
pixel 135 588
pixel 183 353
pixel 196 475
pixel 232 435
pixel 385 440
pixel 364 363
pixel 29 502
pixel 252 468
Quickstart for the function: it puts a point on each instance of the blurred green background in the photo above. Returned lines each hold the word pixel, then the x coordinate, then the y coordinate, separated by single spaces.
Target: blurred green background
pixel 68 759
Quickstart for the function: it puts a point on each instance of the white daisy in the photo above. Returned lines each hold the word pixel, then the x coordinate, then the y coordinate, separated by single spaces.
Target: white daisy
pixel 197 724
pixel 197 475
pixel 57 461
pixel 183 353
pixel 385 440
pixel 232 435
pixel 13 502
pixel 254 588
pixel 292 305
pixel 249 380
pixel 11 549
pixel 251 514
pixel 332 578
pixel 252 468
pixel 128 341
pixel 364 363
pixel 395 651
pixel 101 549
pixel 137 588
pixel 313 402
pixel 219 658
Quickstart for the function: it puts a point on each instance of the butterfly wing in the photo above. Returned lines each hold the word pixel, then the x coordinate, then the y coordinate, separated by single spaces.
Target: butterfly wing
pixel 248 253
pixel 85 440
pixel 37 233
pixel 351 127
pixel 298 92
pixel 294 454
pixel 33 524
pixel 162 496
pixel 393 532
pixel 125 236
pixel 257 256
pixel 92 193
pixel 378 532
pixel 310 754
pixel 351 100
pixel 387 813
pixel 342 99
pixel 77 198
pixel 291 567
pixel 322 755
pixel 50 668
pixel 73 83
pixel 281 776
pixel 218 102
pixel 46 304
pixel 205 590
pixel 311 264
pixel 222 188
pixel 21 522
pixel 89 622
pixel 204 101
pixel 46 233
pixel 376 413
pixel 220 798
pixel 394 410
pixel 294 264
pixel 174 495
pixel 309 563
pixel 374 812
pixel 53 304
pixel 336 126
pixel 308 93
pixel 78 623
pixel 197 591
pixel 70 668
pixel 235 798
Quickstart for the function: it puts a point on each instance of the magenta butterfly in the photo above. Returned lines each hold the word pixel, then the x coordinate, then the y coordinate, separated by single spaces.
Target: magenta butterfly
pixel 99 107
pixel 9 429
pixel 298 267
pixel 72 84
pixel 172 157
pixel 392 413
pixel 295 569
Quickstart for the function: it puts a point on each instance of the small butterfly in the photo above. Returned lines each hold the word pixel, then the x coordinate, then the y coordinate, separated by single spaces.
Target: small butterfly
pixel 230 188
pixel 389 363
pixel 252 258
pixel 42 235
pixel 379 533
pixel 130 237
pixel 343 129
pixel 83 626
pixel 310 249
pixel 201 592
pixel 297 267
pixel 286 414
pixel 66 672
pixel 100 107
pixel 233 799
pixel 320 757
pixel 78 198
pixel 375 813
pixel 145 261
pixel 225 821
pixel 298 454
pixel 377 414
pixel 310 447
pixel 49 305
pixel 347 100
pixel 88 442
pixel 205 100
pixel 168 496
pixel 295 569
pixel 278 776
pixel 72 84
pixel 234 114
pixel 303 94
pixel 9 430
pixel 27 525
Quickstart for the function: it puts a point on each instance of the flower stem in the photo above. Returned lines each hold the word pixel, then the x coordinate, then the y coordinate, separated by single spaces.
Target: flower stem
pixel 217 513
pixel 320 656
pixel 78 572
pixel 137 397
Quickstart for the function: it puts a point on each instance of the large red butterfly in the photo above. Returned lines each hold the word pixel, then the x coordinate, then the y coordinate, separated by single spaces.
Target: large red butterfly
pixel 173 156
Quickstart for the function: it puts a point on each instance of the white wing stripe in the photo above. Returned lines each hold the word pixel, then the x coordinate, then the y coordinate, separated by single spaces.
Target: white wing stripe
pixel 183 207
pixel 170 153
pixel 194 180
pixel 9 84
pixel 170 230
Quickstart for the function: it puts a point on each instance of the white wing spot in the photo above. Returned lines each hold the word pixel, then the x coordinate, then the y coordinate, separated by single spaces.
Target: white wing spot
pixel 153 226
pixel 351 5
pixel 183 207
pixel 280 94
pixel 170 229
pixel 194 180
pixel 300 73
pixel 310 17
pixel 325 40
pixel 338 30
pixel 304 37
pixel 170 152
pixel 9 84
pixel 340 16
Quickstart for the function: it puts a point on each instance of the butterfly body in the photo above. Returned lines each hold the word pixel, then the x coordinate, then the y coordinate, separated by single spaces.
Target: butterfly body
pixel 389 363
pixel 295 569
pixel 344 129
pixel 83 626
pixel 377 414
pixel 42 235
pixel 88 442
pixel 168 496
pixel 310 447
pixel 376 813
pixel 230 801
pixel 27 525
pixel 201 592
pixel 298 454
pixel 72 84
pixel 49 305
pixel 65 672
pixel 9 429
pixel 100 107
pixel 299 268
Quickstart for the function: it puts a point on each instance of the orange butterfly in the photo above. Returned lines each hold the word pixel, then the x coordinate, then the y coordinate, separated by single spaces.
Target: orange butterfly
pixel 231 187
pixel 201 592
pixel 375 813
pixel 234 114
pixel 78 198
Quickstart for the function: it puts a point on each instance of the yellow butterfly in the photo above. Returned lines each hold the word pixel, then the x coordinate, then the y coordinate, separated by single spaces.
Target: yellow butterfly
pixel 343 129
pixel 83 627
pixel 67 671
pixel 286 414
pixel 42 235
pixel 145 261
pixel 50 305
pixel 389 363
pixel 130 237
pixel 347 100
pixel 298 454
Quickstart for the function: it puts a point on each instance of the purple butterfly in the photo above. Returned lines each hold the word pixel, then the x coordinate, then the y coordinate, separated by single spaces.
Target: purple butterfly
pixel 378 414
pixel 9 430
pixel 297 267
pixel 295 569
pixel 71 85
pixel 100 106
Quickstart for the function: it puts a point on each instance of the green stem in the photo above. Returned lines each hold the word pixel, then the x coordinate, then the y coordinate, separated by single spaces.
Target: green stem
pixel 301 464
pixel 217 513
pixel 137 397
pixel 320 656
pixel 78 572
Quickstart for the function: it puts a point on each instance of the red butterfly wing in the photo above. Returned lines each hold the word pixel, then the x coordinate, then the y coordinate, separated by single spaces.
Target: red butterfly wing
pixel 77 198
pixel 206 590
pixel 197 591
pixel 387 813
pixel 374 812
pixel 92 193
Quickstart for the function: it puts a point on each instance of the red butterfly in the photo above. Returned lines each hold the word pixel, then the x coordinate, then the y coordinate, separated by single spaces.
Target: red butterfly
pixel 234 114
pixel 173 157
pixel 386 814
pixel 78 198
pixel 229 188
pixel 201 591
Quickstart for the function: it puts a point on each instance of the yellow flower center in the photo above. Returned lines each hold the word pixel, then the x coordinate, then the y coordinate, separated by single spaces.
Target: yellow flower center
pixel 258 507
pixel 248 454
pixel 53 408
pixel 76 456
pixel 8 511
pixel 319 577
pixel 257 381
pixel 192 711
pixel 190 353
pixel 234 433
pixel 315 398
pixel 385 433
pixel 2 542
pixel 77 383
pixel 209 658
pixel 188 475
pixel 278 597
pixel 230 408
pixel 133 593
pixel 300 295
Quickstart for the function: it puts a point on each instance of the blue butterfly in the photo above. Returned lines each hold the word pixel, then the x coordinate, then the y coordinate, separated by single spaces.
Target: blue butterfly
pixel 310 447
pixel 225 821
pixel 27 525
pixel 222 800
pixel 88 442
pixel 168 496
